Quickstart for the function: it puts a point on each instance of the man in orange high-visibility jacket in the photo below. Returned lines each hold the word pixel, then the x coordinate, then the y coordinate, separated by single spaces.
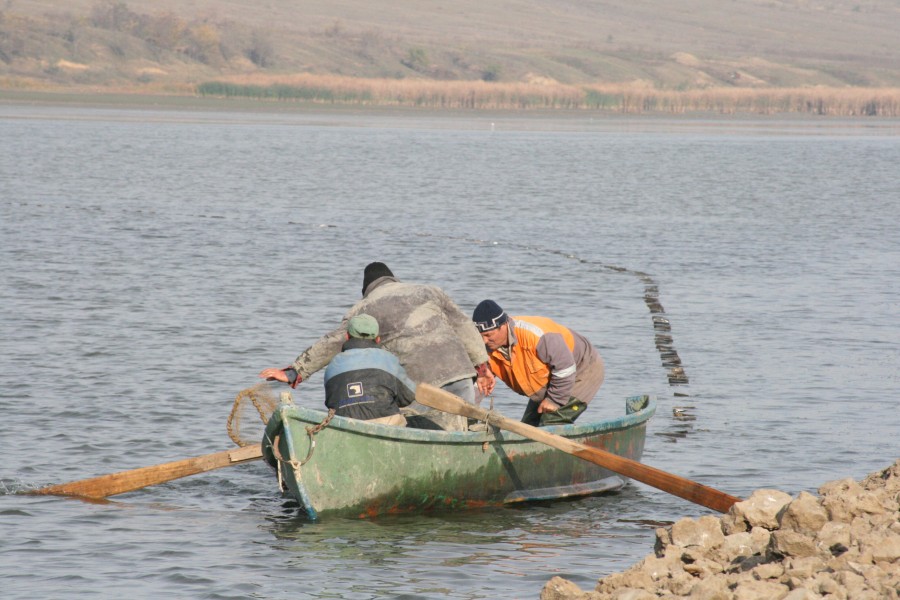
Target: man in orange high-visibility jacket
pixel 558 369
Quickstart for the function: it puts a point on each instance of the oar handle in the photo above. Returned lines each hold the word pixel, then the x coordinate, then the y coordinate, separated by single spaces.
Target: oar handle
pixel 678 486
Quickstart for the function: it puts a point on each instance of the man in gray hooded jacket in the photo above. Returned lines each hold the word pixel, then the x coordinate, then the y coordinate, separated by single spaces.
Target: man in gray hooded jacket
pixel 435 341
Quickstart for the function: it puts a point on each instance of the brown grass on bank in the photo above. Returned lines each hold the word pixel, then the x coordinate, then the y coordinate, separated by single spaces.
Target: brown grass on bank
pixel 623 98
pixel 424 93
pixel 829 101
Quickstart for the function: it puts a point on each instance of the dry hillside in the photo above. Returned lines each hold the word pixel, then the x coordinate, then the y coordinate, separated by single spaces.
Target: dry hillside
pixel 171 45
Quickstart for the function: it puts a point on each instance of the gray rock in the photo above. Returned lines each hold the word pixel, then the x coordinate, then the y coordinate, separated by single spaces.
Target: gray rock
pixel 842 545
pixel 804 514
pixel 762 507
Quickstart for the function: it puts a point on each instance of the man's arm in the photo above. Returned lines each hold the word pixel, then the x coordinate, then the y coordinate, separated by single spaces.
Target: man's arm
pixel 318 355
pixel 553 351
pixel 310 360
pixel 468 334
pixel 406 391
pixel 404 388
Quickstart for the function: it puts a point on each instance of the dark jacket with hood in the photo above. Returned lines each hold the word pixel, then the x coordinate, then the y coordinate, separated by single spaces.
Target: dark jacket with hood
pixel 366 382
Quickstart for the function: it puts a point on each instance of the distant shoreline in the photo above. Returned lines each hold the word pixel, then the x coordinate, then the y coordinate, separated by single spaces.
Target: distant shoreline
pixel 714 103
pixel 349 114
pixel 107 99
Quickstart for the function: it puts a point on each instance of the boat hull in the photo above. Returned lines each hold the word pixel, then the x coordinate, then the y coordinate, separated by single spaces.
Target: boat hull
pixel 360 469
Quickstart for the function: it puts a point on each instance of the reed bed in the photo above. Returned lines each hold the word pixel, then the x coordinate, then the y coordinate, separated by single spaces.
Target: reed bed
pixel 622 98
pixel 828 101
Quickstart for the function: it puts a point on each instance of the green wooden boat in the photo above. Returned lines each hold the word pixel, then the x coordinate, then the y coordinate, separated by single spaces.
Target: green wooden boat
pixel 354 468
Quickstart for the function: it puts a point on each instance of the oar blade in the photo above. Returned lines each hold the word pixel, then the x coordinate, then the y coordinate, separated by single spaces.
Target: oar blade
pixel 678 486
pixel 135 479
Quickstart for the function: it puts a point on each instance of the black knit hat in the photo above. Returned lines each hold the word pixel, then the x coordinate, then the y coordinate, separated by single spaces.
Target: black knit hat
pixel 374 271
pixel 488 316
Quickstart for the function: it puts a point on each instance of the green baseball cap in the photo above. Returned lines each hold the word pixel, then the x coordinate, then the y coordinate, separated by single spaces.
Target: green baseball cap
pixel 363 326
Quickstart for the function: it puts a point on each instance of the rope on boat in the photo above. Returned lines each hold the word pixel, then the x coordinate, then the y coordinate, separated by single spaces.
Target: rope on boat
pixel 263 400
pixel 278 462
pixel 311 432
pixel 493 418
pixel 491 414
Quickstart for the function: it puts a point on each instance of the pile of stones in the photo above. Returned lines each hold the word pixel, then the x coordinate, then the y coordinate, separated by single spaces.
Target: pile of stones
pixel 843 544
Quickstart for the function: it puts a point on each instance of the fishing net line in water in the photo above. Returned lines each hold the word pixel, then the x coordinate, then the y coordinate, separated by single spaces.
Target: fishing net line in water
pixel 250 412
pixel 662 329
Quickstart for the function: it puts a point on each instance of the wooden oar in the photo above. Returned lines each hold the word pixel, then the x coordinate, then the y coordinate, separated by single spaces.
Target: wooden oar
pixel 135 479
pixel 679 486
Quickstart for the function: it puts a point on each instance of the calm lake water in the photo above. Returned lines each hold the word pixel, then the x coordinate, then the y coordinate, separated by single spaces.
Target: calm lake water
pixel 154 261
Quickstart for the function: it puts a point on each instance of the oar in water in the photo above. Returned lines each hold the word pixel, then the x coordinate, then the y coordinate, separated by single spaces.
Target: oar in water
pixel 679 486
pixel 135 479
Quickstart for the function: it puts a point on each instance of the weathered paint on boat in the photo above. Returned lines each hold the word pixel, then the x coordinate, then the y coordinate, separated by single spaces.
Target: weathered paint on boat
pixel 362 469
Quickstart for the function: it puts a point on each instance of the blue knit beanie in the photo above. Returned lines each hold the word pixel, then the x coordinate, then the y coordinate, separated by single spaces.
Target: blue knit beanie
pixel 489 316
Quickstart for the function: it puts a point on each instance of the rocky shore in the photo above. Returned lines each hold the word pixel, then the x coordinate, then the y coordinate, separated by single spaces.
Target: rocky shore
pixel 842 544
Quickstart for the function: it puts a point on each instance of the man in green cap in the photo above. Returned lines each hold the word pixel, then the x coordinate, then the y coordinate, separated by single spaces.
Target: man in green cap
pixel 363 327
pixel 365 381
